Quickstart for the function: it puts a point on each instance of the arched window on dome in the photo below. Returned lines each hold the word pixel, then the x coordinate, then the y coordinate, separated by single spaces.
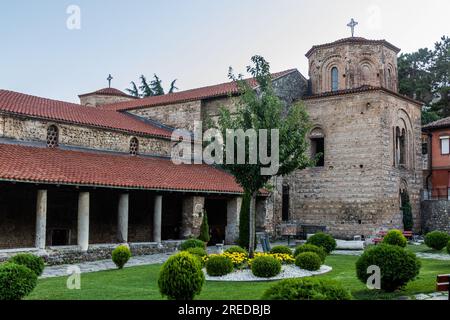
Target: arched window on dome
pixel 334 79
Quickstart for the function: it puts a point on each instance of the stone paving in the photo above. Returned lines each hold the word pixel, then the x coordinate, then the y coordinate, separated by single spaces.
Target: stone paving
pixel 61 270
pixel 423 255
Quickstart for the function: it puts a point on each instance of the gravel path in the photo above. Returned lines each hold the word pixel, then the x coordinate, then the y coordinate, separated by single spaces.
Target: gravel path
pixel 423 255
pixel 287 272
pixel 61 270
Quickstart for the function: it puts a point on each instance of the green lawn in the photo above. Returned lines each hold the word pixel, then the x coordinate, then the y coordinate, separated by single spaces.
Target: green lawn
pixel 139 283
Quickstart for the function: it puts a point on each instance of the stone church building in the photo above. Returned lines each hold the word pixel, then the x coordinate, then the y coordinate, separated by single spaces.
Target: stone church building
pixel 99 172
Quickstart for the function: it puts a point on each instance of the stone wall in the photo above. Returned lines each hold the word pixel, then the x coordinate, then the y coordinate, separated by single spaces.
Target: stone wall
pixel 26 129
pixel 435 215
pixel 192 215
pixel 357 190
pixel 180 115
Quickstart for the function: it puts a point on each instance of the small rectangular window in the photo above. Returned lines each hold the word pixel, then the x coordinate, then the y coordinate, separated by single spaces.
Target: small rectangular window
pixel 445 145
pixel 318 151
pixel 424 148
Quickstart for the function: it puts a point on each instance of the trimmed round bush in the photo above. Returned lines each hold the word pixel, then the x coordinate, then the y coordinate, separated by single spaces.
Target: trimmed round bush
pixel 32 262
pixel 398 266
pixel 121 255
pixel 16 281
pixel 181 277
pixel 323 240
pixel 309 261
pixel 198 253
pixel 436 240
pixel 396 238
pixel 311 248
pixel 307 289
pixel 448 247
pixel 266 266
pixel 237 249
pixel 281 249
pixel 218 265
pixel 192 243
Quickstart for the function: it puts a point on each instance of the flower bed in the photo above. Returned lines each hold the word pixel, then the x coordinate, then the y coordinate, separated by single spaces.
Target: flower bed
pixel 243 267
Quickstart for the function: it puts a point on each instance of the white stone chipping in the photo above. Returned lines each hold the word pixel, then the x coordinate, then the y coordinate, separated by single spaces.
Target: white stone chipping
pixel 287 272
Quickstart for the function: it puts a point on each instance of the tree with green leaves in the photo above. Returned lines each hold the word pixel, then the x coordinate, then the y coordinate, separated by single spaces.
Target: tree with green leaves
pixel 425 75
pixel 261 110
pixel 150 89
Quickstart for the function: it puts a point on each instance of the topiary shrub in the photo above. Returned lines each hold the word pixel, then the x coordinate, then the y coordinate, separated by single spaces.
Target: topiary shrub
pixel 192 243
pixel 266 266
pixel 237 249
pixel 218 265
pixel 121 255
pixel 307 289
pixel 199 253
pixel 32 262
pixel 436 240
pixel 204 229
pixel 281 249
pixel 311 248
pixel 323 240
pixel 181 277
pixel 16 281
pixel 398 266
pixel 396 238
pixel 308 261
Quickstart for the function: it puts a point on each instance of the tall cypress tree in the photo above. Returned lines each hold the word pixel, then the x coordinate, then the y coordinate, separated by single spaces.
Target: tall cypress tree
pixel 204 229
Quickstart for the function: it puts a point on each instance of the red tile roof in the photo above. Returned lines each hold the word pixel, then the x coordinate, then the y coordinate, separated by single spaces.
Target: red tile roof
pixel 441 123
pixel 358 90
pixel 219 90
pixel 56 166
pixel 109 92
pixel 357 40
pixel 27 105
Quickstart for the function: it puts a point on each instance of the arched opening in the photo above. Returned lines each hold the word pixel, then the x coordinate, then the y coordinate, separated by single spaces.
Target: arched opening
pixel 334 79
pixel 400 147
pixel 52 136
pixel 317 138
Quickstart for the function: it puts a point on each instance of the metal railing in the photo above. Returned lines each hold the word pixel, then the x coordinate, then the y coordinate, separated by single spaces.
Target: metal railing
pixel 436 194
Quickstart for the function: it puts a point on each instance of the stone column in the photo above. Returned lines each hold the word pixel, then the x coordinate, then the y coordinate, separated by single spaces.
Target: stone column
pixel 41 219
pixel 83 221
pixel 122 218
pixel 232 229
pixel 157 219
pixel 192 215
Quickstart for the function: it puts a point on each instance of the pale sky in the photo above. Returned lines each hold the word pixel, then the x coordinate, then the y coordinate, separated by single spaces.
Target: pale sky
pixel 194 41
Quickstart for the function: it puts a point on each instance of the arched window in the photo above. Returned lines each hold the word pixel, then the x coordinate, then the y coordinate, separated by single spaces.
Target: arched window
pixel 134 146
pixel 52 136
pixel 318 146
pixel 400 147
pixel 365 74
pixel 334 79
pixel 389 79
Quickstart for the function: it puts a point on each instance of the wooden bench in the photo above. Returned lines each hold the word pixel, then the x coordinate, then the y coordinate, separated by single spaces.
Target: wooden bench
pixel 407 234
pixel 442 283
